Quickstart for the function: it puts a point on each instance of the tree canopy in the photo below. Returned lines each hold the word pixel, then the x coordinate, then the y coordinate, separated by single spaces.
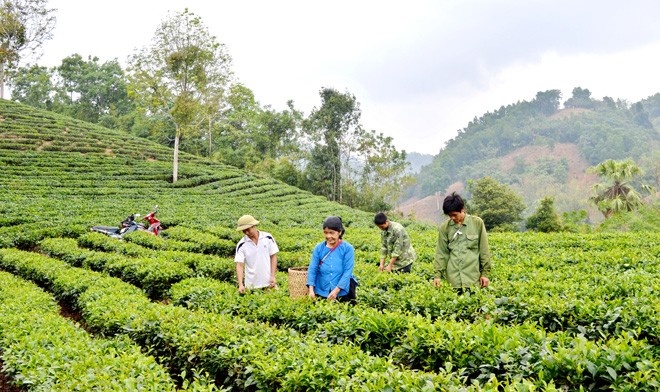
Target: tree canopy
pixel 24 27
pixel 347 163
pixel 84 89
pixel 617 193
pixel 184 72
pixel 497 204
pixel 334 126
pixel 516 145
pixel 545 219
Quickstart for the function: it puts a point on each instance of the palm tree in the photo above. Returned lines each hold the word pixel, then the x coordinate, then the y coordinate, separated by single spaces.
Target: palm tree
pixel 617 194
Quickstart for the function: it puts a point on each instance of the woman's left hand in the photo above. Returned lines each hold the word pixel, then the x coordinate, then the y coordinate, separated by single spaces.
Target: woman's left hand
pixel 333 294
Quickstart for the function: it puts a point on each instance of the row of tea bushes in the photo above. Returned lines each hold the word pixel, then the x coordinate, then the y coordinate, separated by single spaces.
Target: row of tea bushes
pixel 44 351
pixel 476 350
pixel 580 310
pixel 202 264
pixel 153 275
pixel 235 353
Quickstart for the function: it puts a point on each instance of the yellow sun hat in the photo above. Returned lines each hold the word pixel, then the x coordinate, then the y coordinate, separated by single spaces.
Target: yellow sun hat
pixel 245 222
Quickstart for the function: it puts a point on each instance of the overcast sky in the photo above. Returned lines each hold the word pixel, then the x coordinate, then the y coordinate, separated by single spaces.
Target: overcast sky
pixel 420 69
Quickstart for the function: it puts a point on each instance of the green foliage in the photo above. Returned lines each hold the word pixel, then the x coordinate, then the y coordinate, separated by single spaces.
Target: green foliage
pixel 88 91
pixel 153 274
pixel 33 86
pixel 334 127
pixel 181 76
pixel 253 137
pixel 234 352
pixel 581 99
pixel 645 218
pixel 563 311
pixel 25 25
pixel 600 132
pixel 213 118
pixel 547 102
pixel 618 194
pixel 576 221
pixel 489 136
pixel 85 90
pixel 650 164
pixel 641 116
pixel 376 183
pixel 545 219
pixel 348 164
pixel 44 351
pixel 495 203
pixel 283 169
pixel 557 169
pixel 208 243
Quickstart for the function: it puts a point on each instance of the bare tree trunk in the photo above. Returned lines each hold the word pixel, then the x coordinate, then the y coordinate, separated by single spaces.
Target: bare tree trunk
pixel 335 190
pixel 210 137
pixel 175 164
pixel 2 80
pixel 339 183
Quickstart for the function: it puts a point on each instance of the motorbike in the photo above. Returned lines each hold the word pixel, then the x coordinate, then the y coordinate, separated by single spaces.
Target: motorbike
pixel 129 225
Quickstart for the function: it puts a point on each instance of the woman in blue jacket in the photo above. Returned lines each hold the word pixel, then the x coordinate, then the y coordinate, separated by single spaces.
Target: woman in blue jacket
pixel 330 273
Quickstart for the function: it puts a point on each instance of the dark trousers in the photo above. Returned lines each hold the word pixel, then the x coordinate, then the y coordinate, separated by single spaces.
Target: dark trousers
pixel 462 290
pixel 406 269
pixel 351 296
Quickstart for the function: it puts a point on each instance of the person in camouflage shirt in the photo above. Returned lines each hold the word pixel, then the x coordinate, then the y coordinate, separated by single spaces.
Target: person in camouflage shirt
pixel 395 245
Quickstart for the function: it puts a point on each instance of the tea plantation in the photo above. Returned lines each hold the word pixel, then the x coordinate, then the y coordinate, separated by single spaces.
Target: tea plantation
pixel 82 311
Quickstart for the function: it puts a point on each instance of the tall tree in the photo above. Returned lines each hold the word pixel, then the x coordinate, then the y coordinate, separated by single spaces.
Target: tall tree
pixel 239 142
pixel 497 204
pixel 641 116
pixel 617 193
pixel 334 126
pixel 581 98
pixel 93 89
pixel 83 89
pixel 651 163
pixel 545 219
pixel 24 27
pixel 181 75
pixel 282 129
pixel 284 156
pixel 33 86
pixel 384 172
pixel 547 102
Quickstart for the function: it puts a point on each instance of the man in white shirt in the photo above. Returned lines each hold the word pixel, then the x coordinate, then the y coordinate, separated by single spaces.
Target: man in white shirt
pixel 256 256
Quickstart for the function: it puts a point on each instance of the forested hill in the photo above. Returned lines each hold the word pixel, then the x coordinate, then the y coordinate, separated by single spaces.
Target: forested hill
pixel 538 148
pixel 60 176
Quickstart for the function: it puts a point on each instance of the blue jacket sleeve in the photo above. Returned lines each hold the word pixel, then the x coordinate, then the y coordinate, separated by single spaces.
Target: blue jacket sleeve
pixel 349 263
pixel 313 269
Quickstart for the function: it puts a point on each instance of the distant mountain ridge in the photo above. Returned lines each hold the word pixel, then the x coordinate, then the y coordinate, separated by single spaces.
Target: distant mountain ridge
pixel 417 160
pixel 540 150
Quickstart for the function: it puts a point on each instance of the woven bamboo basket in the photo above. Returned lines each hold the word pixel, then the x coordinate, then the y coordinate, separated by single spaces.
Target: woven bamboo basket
pixel 298 282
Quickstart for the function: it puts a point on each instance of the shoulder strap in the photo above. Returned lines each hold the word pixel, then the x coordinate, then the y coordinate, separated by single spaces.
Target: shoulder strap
pixel 328 254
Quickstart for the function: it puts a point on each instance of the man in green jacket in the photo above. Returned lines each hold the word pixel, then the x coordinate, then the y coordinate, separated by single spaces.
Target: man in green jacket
pixel 395 245
pixel 462 256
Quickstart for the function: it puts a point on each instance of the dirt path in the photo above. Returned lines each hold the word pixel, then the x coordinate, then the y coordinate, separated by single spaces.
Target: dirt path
pixel 5 385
